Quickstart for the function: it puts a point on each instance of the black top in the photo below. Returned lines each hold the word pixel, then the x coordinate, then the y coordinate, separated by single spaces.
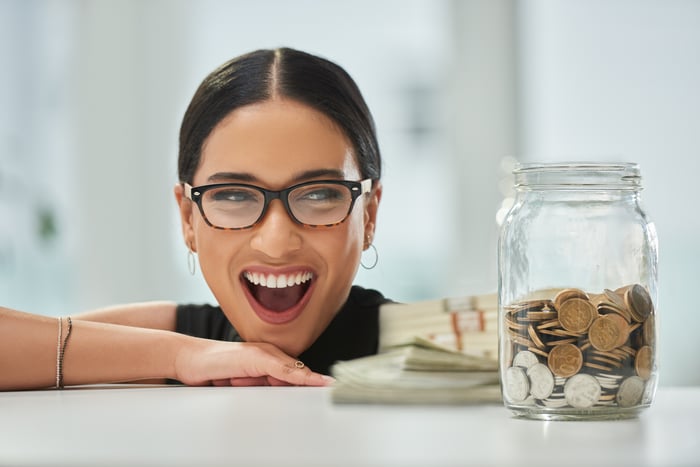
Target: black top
pixel 353 332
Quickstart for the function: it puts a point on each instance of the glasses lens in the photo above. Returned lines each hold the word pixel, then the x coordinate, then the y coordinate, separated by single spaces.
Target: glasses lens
pixel 320 203
pixel 232 207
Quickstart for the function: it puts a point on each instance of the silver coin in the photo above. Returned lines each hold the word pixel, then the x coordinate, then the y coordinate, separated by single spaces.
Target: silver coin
pixel 630 392
pixel 582 391
pixel 525 359
pixel 517 384
pixel 541 381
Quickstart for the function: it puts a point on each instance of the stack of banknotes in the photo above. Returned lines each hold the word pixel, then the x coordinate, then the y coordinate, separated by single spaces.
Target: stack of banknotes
pixel 432 352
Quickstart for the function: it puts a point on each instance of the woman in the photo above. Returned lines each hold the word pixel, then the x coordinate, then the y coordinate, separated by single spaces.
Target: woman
pixel 279 188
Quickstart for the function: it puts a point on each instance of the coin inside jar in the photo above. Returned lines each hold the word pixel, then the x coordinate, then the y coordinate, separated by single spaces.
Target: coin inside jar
pixel 643 362
pixel 582 391
pixel 630 392
pixel 605 333
pixel 639 302
pixel 565 360
pixel 567 294
pixel 577 314
pixel 517 384
pixel 541 381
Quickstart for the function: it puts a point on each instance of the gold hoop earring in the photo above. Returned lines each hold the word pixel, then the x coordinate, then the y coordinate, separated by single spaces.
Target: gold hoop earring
pixel 376 258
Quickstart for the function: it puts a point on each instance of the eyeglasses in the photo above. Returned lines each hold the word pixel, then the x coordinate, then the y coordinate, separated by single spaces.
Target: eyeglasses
pixel 237 206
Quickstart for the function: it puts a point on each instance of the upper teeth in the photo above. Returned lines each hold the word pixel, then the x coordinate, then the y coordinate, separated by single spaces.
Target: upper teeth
pixel 278 281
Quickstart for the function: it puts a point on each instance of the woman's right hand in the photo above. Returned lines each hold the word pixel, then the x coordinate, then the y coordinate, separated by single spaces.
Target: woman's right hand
pixel 205 362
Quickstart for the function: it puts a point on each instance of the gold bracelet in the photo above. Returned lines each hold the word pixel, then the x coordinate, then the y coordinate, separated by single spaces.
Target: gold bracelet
pixel 59 384
pixel 58 354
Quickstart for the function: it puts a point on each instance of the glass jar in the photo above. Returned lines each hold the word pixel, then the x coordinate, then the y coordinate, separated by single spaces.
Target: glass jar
pixel 577 293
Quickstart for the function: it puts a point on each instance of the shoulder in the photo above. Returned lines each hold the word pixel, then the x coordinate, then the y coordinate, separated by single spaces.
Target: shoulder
pixel 361 297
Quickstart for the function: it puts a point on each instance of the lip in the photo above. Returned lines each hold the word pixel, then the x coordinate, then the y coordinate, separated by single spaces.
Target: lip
pixel 277 317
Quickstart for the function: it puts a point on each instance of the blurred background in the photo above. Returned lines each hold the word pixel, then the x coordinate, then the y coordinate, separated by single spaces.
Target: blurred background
pixel 92 93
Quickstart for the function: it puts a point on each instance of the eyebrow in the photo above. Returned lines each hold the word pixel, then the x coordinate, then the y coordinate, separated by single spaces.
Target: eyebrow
pixel 300 177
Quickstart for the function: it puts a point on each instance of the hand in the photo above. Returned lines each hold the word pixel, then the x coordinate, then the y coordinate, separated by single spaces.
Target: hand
pixel 241 364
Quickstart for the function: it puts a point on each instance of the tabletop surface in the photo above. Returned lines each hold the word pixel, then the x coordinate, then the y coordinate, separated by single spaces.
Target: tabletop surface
pixel 142 426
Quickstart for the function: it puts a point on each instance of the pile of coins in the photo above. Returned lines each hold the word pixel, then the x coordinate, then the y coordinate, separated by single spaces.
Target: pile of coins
pixel 580 350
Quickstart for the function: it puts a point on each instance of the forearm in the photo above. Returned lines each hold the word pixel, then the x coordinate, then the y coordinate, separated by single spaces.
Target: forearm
pixel 95 352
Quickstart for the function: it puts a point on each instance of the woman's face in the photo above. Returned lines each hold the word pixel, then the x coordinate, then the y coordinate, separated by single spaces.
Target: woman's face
pixel 276 144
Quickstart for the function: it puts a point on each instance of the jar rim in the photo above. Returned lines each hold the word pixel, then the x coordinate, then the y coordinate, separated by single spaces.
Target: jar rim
pixel 577 166
pixel 577 176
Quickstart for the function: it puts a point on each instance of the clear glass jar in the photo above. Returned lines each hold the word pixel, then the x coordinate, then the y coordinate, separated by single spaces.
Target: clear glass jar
pixel 577 294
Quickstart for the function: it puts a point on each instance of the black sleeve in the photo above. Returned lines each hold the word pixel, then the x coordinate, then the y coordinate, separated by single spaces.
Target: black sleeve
pixel 205 321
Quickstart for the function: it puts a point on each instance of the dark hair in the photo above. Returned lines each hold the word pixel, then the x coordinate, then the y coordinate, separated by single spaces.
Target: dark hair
pixel 263 74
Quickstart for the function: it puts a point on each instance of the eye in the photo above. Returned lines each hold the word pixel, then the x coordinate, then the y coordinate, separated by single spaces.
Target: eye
pixel 322 193
pixel 233 195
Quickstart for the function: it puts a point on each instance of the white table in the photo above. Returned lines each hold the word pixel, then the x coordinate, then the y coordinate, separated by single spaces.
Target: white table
pixel 182 426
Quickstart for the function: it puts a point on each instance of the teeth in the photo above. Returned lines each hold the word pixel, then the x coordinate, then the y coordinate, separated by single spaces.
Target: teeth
pixel 278 282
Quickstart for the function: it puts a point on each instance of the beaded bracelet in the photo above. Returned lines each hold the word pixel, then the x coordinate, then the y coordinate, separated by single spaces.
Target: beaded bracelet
pixel 61 350
pixel 58 354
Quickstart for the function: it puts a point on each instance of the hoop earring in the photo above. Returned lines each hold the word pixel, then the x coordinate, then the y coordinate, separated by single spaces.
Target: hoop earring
pixel 376 258
pixel 191 261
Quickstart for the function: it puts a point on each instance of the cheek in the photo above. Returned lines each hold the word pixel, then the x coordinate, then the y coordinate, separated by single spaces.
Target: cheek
pixel 346 246
pixel 215 248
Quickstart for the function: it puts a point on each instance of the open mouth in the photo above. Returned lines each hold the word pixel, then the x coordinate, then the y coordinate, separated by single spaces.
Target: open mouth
pixel 278 292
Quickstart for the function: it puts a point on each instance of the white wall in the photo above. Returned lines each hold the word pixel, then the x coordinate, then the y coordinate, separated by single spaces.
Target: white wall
pixel 618 80
pixel 93 93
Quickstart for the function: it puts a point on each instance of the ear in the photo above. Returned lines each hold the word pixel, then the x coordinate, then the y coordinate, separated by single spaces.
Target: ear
pixel 185 207
pixel 371 208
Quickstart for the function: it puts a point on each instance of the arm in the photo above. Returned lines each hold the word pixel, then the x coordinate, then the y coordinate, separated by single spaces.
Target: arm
pixel 106 353
pixel 152 315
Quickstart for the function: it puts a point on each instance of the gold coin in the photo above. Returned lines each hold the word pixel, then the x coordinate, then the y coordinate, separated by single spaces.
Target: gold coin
pixel 597 366
pixel 568 294
pixel 623 325
pixel 615 298
pixel 565 360
pixel 538 351
pixel 605 333
pixel 607 308
pixel 639 302
pixel 577 314
pixel 535 338
pixel 649 331
pixel 541 315
pixel 643 362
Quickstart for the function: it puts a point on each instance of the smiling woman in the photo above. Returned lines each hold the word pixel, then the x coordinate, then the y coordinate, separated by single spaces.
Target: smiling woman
pixel 279 189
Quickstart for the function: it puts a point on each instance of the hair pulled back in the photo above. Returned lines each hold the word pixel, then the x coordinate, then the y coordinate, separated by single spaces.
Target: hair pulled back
pixel 287 73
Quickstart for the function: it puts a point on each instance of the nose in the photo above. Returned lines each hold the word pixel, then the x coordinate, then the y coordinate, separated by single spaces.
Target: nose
pixel 276 235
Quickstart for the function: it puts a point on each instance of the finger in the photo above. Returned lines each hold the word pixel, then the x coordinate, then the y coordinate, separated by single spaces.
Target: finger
pixel 272 381
pixel 298 374
pixel 249 381
pixel 221 382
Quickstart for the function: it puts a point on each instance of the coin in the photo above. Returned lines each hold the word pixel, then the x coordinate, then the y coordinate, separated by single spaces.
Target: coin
pixel 639 302
pixel 517 384
pixel 577 314
pixel 565 360
pixel 615 299
pixel 541 381
pixel 567 294
pixel 525 359
pixel 609 336
pixel 630 392
pixel 624 328
pixel 643 362
pixel 649 330
pixel 605 333
pixel 582 391
pixel 609 308
pixel 535 338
